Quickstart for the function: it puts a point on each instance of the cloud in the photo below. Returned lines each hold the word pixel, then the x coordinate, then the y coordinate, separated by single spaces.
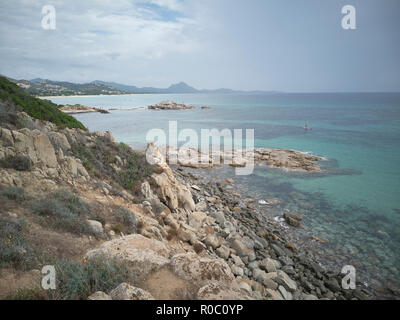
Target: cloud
pixel 94 32
pixel 258 44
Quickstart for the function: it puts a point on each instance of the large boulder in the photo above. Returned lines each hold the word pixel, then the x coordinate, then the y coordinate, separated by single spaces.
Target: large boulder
pixel 194 268
pixel 44 150
pixel 241 249
pixel 127 292
pixel 59 141
pixel 220 291
pixel 99 295
pixel 293 219
pixel 169 190
pixel 142 255
pixel 95 226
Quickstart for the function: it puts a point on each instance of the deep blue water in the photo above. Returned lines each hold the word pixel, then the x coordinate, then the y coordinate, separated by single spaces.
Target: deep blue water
pixel 356 206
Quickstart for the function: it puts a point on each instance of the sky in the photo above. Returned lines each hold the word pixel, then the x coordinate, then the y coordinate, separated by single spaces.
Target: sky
pixel 279 45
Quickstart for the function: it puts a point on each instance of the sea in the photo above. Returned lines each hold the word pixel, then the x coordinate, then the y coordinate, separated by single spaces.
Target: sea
pixel 354 204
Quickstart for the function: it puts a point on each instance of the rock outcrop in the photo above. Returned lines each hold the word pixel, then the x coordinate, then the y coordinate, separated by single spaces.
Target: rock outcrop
pixel 170 105
pixel 78 108
pixel 291 160
pixel 169 190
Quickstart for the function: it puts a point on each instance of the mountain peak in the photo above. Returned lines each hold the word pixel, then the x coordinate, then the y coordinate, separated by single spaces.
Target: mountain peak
pixel 182 87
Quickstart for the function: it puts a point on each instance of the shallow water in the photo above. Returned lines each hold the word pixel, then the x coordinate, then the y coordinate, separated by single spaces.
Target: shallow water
pixel 356 205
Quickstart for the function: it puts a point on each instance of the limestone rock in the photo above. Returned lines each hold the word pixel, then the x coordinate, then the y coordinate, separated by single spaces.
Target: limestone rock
pixel 213 241
pixel 218 291
pixel 237 271
pixel 95 226
pixel 283 279
pixel 194 268
pixel 142 255
pixel 127 292
pixel 44 150
pixel 269 265
pixel 240 248
pixel 196 219
pixel 223 252
pixel 99 295
pixel 273 294
pixel 286 295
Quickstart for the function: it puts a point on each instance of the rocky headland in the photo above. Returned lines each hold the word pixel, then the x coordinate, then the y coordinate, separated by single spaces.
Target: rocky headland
pixel 78 108
pixel 286 159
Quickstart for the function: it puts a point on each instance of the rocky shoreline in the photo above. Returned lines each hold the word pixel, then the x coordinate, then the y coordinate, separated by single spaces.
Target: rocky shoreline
pixel 189 238
pixel 264 255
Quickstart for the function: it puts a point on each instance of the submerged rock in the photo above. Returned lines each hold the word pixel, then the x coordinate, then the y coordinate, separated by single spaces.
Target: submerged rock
pixel 293 219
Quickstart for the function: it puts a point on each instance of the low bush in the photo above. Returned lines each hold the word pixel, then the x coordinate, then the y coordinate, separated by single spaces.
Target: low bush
pixel 78 280
pixel 15 249
pixel 137 170
pixel 100 159
pixel 128 219
pixel 14 193
pixel 35 293
pixel 64 210
pixel 20 163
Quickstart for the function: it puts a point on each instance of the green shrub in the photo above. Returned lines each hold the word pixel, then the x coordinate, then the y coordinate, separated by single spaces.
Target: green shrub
pixel 138 169
pixel 15 249
pixel 78 280
pixel 117 228
pixel 99 157
pixel 36 108
pixel 64 210
pixel 14 193
pixel 20 163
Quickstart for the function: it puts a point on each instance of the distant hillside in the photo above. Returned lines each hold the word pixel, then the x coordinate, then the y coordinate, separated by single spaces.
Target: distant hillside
pixel 13 96
pixel 43 87
pixel 180 87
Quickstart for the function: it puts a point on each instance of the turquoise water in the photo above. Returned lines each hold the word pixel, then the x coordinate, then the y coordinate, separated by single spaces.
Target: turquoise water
pixel 356 205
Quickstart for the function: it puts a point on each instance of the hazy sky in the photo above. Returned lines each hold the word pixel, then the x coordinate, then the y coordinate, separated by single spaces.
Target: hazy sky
pixel 255 44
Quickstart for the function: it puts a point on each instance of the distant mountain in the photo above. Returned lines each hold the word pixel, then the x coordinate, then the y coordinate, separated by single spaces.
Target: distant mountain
pixel 45 87
pixel 180 87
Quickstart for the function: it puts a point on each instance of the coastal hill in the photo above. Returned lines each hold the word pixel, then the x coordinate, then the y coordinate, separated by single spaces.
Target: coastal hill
pixel 116 227
pixel 44 87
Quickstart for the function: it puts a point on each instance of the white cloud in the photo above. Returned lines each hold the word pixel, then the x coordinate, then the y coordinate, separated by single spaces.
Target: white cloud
pixel 91 32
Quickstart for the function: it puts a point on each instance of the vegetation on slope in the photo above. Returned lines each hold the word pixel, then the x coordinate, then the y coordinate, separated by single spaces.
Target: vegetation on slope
pixel 99 159
pixel 13 95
